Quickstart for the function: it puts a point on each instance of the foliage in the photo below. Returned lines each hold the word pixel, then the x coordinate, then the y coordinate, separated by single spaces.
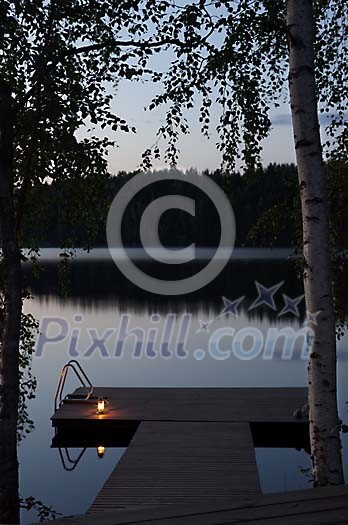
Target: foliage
pixel 56 92
pixel 232 57
pixel 338 196
pixel 331 54
pixel 29 330
pixel 44 512
pixel 63 61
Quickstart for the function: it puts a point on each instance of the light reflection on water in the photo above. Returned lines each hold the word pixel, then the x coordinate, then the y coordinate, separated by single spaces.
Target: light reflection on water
pixel 99 293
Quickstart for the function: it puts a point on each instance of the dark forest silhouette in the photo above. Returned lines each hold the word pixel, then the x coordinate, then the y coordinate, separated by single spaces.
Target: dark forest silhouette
pixel 265 202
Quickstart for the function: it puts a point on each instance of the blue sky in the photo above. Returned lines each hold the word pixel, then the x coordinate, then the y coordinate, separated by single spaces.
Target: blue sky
pixel 196 151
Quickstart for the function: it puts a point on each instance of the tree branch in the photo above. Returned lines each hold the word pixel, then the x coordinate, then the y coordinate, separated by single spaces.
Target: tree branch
pixel 125 43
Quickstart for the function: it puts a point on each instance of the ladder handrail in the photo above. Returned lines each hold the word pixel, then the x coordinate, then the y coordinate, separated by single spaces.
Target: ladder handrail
pixel 72 364
pixel 72 462
pixel 78 370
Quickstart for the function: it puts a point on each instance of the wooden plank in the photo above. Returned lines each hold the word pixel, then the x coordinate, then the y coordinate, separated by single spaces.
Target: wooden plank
pixel 190 404
pixel 172 463
pixel 327 505
pixel 307 511
pixel 329 516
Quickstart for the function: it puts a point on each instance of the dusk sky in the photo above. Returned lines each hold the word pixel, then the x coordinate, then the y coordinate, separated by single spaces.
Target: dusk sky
pixel 196 151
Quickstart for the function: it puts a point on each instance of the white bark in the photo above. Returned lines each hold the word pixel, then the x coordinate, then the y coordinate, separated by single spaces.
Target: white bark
pixel 323 416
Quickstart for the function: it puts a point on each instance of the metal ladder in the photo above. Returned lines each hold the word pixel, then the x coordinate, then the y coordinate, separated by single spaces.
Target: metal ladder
pixel 68 462
pixel 82 377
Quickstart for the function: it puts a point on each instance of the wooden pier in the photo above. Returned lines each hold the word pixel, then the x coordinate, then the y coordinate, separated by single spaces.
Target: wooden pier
pixel 186 445
pixel 173 463
pixel 321 506
pixel 232 405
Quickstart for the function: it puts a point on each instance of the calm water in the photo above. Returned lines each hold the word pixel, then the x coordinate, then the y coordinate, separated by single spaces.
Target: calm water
pixel 101 295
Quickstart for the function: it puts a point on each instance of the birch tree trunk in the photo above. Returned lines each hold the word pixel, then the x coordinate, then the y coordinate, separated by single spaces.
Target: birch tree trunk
pixel 10 320
pixel 323 415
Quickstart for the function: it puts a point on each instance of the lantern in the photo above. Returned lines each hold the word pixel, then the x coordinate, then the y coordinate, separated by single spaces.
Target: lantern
pixel 101 406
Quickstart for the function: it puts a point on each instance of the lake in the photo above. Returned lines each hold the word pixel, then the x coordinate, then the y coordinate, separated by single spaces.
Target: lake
pixel 208 347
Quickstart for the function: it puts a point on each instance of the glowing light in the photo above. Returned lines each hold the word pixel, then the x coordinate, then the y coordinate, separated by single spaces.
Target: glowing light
pixel 100 406
pixel 101 451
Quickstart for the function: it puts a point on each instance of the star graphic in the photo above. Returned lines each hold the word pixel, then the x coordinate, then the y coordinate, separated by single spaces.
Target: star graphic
pixel 312 318
pixel 265 295
pixel 291 305
pixel 204 326
pixel 230 307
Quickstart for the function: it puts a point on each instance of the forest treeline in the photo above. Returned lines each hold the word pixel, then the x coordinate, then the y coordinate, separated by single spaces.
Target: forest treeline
pixel 265 201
